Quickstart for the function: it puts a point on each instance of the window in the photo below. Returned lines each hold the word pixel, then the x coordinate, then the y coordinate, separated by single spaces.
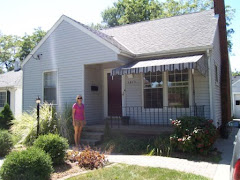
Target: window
pixel 216 73
pixel 50 87
pixel 178 94
pixel 153 90
pixel 3 99
pixel 237 102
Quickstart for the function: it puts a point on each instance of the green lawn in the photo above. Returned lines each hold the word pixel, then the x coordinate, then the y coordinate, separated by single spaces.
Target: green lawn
pixel 129 172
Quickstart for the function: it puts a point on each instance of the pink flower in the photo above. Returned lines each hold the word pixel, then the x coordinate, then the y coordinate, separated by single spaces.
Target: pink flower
pixel 179 139
pixel 211 121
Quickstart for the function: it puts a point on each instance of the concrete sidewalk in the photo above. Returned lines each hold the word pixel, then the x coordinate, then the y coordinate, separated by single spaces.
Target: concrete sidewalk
pixel 200 168
pixel 211 170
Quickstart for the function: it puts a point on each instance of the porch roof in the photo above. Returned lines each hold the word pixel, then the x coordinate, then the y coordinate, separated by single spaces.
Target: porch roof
pixel 169 64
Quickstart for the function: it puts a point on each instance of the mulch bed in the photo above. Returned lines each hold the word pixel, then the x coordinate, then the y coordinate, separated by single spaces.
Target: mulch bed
pixel 65 170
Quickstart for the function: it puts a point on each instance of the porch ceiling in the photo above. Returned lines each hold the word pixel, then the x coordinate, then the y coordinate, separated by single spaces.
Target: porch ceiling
pixel 169 64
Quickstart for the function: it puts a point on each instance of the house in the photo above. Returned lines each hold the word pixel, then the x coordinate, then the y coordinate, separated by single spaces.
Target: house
pixel 236 96
pixel 11 91
pixel 151 71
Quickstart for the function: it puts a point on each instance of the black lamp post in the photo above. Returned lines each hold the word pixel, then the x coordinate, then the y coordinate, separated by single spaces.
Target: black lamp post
pixel 38 100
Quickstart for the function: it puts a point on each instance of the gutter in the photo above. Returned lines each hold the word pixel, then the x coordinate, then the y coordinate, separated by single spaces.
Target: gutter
pixel 167 52
pixel 210 85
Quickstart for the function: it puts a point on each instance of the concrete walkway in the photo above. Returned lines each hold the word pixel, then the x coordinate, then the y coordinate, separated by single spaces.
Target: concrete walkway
pixel 211 170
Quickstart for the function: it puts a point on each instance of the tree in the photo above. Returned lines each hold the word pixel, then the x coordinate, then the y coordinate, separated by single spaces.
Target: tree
pixel 235 73
pixel 29 42
pixel 12 47
pixel 131 11
pixel 9 45
pixel 6 116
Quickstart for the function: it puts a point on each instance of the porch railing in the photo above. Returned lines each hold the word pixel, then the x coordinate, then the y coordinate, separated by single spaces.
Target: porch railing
pixel 138 115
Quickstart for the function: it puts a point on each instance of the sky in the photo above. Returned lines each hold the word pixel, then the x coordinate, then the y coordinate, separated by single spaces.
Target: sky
pixel 18 17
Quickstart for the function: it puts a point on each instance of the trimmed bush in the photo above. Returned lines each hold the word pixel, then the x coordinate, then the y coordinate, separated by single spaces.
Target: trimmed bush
pixel 6 116
pixel 193 134
pixel 6 142
pixel 29 164
pixel 54 145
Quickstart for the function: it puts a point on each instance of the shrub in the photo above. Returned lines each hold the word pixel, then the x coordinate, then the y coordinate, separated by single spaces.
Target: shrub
pixel 90 159
pixel 126 144
pixel 107 131
pixel 54 145
pixel 161 146
pixel 28 164
pixel 6 142
pixel 25 126
pixel 65 126
pixel 193 134
pixel 6 116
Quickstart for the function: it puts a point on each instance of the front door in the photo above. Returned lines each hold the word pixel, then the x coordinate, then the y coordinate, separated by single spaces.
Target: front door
pixel 114 95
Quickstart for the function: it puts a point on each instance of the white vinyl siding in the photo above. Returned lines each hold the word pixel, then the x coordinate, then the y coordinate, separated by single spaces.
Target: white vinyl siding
pixel 67 49
pixel 93 98
pixel 216 62
pixel 202 96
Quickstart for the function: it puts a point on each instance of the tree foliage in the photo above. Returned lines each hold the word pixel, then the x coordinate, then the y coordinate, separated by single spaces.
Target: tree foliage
pixel 29 42
pixel 132 11
pixel 9 45
pixel 13 47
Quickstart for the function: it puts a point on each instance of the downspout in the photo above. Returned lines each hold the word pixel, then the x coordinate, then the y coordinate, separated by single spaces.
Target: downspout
pixel 210 84
pixel 193 93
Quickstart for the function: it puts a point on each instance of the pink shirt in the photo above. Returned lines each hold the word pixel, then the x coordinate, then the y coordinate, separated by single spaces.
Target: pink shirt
pixel 79 111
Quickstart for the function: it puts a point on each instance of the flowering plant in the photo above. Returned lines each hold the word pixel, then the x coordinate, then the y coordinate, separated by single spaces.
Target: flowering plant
pixel 193 134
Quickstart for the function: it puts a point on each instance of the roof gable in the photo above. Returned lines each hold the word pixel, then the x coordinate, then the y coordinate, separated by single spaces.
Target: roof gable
pixel 175 34
pixel 101 37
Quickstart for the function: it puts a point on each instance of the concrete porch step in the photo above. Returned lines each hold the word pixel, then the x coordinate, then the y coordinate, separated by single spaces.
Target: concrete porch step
pixel 94 128
pixel 92 135
pixel 90 142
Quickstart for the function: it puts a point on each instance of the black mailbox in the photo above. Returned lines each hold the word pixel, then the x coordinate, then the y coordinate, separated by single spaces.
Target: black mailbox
pixel 94 88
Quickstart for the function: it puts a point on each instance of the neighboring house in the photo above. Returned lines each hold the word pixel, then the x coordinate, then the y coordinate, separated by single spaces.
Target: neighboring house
pixel 11 91
pixel 236 96
pixel 151 71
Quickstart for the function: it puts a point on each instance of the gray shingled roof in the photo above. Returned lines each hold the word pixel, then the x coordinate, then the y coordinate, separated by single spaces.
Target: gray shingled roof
pixel 185 31
pixel 103 36
pixel 235 79
pixel 11 79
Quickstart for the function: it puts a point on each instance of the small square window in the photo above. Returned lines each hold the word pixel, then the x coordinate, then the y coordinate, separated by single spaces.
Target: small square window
pixel 216 73
pixel 237 102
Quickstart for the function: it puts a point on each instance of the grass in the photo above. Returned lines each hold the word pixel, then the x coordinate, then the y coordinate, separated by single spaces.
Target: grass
pixel 130 172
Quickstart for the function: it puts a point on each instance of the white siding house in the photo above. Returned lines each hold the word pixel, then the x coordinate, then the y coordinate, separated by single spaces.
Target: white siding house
pixel 150 71
pixel 236 96
pixel 11 91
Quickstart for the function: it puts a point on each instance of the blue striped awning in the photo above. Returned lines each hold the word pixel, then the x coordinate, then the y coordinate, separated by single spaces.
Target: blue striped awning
pixel 169 64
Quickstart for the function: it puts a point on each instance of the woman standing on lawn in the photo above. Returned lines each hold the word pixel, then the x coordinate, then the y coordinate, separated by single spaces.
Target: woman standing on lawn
pixel 78 116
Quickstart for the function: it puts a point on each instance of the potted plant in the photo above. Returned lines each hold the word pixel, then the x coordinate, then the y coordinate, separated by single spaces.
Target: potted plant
pixel 125 120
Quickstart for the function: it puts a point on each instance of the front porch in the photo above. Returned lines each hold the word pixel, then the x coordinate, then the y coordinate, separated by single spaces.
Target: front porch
pixel 145 117
pixel 131 129
pixel 146 97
